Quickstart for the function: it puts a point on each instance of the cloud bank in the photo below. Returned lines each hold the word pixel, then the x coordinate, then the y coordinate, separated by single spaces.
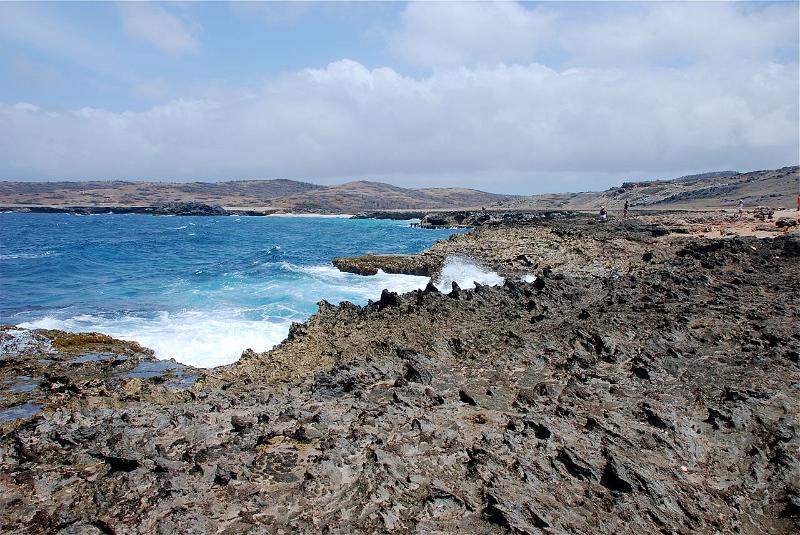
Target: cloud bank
pixel 654 90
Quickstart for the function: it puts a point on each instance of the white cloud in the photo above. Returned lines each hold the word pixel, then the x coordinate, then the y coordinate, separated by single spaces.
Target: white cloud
pixel 155 25
pixel 679 33
pixel 447 34
pixel 480 126
pixel 524 100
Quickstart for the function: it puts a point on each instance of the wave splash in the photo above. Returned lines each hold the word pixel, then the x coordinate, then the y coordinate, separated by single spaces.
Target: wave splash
pixel 215 337
pixel 199 338
pixel 465 273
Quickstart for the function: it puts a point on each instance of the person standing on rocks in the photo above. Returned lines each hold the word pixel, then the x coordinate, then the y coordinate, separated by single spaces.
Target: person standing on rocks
pixel 625 210
pixel 603 214
pixel 740 208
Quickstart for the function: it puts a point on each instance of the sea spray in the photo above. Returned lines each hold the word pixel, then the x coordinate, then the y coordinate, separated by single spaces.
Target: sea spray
pixel 465 272
pixel 208 338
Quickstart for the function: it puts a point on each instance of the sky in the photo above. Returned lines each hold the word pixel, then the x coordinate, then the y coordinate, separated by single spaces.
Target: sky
pixel 507 97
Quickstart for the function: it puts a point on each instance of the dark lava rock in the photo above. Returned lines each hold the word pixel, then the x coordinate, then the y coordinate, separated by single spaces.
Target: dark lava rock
pixel 670 407
pixel 188 208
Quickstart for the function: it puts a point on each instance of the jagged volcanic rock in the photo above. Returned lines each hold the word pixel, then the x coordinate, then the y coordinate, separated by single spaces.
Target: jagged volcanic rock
pixel 643 386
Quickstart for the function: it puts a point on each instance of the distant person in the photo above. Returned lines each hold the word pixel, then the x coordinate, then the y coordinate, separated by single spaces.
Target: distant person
pixel 798 202
pixel 625 210
pixel 603 214
pixel 740 208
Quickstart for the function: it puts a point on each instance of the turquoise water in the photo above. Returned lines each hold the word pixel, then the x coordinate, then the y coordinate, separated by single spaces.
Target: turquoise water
pixel 197 289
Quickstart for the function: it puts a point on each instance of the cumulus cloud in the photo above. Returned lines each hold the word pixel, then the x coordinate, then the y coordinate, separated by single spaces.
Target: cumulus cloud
pixel 471 125
pixel 155 25
pixel 543 99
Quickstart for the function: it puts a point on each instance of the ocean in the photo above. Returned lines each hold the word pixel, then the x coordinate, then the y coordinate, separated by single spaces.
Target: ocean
pixel 197 289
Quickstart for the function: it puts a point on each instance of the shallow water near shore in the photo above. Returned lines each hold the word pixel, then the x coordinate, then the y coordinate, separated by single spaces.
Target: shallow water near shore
pixel 197 289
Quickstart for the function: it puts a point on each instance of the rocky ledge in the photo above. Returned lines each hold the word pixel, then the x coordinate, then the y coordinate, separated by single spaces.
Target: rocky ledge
pixel 638 385
pixel 425 265
pixel 170 208
pixel 473 218
pixel 399 215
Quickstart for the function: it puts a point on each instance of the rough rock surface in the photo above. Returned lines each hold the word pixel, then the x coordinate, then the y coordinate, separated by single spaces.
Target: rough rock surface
pixel 640 385
pixel 171 208
pixel 399 215
pixel 519 245
pixel 472 219
pixel 422 264
pixel 188 208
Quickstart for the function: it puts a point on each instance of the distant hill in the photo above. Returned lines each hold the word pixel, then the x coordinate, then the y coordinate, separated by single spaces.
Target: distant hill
pixel 286 195
pixel 363 195
pixel 115 193
pixel 775 188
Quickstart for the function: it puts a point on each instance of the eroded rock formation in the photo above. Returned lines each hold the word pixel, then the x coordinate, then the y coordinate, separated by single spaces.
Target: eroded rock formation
pixel 639 386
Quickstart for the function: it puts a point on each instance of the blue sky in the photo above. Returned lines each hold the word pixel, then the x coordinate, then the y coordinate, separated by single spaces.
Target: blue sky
pixel 76 54
pixel 513 97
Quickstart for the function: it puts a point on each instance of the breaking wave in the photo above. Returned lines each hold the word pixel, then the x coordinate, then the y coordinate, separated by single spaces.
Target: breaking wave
pixel 199 338
pixel 208 338
pixel 466 273
pixel 201 290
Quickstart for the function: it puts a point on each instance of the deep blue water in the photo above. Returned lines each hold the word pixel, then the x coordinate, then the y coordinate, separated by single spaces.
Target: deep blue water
pixel 197 289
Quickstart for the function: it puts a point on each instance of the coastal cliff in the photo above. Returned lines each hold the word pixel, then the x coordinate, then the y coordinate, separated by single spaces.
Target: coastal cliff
pixel 645 381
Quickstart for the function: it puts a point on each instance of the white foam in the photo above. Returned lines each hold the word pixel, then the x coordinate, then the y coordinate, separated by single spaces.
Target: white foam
pixel 199 338
pixel 327 282
pixel 368 287
pixel 14 256
pixel 208 338
pixel 211 338
pixel 465 273
pixel 528 278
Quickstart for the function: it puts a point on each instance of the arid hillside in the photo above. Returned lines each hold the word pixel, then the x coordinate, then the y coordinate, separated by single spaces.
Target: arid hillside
pixel 116 193
pixel 363 195
pixel 775 188
pixel 266 194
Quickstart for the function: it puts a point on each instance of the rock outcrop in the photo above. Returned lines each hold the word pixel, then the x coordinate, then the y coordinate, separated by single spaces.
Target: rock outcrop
pixel 638 386
pixel 473 218
pixel 425 265
pixel 188 208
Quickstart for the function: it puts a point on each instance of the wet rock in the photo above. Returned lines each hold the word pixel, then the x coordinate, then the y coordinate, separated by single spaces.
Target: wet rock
pixel 455 291
pixel 388 299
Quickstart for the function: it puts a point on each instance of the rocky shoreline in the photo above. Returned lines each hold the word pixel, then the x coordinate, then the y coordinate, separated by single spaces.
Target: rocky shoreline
pixel 646 381
pixel 172 208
